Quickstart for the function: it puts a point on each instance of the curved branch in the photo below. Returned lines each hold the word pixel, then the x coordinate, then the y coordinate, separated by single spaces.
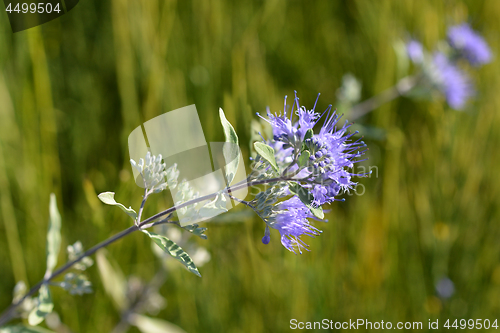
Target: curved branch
pixel 8 313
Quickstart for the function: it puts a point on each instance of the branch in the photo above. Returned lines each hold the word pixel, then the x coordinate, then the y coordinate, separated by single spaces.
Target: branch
pixel 8 313
pixel 402 87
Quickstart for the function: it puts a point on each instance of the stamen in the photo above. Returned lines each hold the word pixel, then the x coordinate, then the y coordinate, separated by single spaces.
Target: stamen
pixel 314 107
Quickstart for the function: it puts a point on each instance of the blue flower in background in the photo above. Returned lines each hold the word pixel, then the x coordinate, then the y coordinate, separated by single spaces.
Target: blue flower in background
pixel 445 288
pixel 469 44
pixel 415 51
pixel 454 83
pixel 442 70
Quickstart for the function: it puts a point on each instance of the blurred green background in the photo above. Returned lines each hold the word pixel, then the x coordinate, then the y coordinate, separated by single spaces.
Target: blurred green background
pixel 73 89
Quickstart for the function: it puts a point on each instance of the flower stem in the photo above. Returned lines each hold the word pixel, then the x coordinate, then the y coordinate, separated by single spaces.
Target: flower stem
pixel 210 196
pixel 146 194
pixel 402 87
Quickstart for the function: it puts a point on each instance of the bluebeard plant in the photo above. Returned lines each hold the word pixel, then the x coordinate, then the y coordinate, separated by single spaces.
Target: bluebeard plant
pixel 445 69
pixel 313 167
pixel 303 171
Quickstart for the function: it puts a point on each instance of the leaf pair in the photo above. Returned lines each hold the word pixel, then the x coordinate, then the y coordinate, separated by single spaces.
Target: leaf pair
pixel 163 242
pixel 214 207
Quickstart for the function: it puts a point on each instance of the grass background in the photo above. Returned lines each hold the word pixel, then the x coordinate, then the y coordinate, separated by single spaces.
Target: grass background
pixel 73 89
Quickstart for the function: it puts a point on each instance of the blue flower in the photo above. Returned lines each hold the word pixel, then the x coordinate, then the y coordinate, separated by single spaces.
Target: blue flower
pixel 415 51
pixel 454 83
pixel 292 222
pixel 307 120
pixel 323 175
pixel 283 129
pixel 445 288
pixel 470 44
pixel 331 150
pixel 337 154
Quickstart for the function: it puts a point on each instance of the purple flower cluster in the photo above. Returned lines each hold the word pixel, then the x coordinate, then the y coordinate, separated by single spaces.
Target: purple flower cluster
pixel 454 83
pixel 292 222
pixel 443 70
pixel 470 44
pixel 333 154
pixel 415 51
pixel 328 155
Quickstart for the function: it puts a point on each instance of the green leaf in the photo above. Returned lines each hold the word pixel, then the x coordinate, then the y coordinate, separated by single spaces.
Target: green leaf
pixel 309 134
pixel 112 279
pixel 153 325
pixel 231 151
pixel 304 158
pixel 229 131
pixel 174 250
pixel 109 199
pixel 43 308
pixel 215 207
pixel 195 229
pixel 23 329
pixel 317 211
pixel 20 289
pixel 53 235
pixel 307 199
pixel 267 153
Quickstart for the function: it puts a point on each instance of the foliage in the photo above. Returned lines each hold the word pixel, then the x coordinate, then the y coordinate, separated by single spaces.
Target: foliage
pixel 73 89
